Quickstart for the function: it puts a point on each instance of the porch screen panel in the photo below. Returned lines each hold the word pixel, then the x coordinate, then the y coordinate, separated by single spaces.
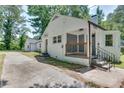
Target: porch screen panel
pixel 81 43
pixel 71 43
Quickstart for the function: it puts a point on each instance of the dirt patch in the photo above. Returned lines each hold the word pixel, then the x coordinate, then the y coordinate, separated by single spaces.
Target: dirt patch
pixel 122 84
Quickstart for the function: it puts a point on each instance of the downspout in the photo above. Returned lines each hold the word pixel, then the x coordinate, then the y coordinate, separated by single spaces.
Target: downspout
pixel 89 43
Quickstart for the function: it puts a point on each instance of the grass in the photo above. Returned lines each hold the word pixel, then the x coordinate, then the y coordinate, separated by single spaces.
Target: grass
pixel 30 54
pixel 92 85
pixel 63 64
pixel 54 62
pixel 2 55
pixel 121 65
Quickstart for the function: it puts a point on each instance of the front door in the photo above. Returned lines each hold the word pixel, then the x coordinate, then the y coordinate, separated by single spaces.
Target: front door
pixel 93 45
pixel 46 45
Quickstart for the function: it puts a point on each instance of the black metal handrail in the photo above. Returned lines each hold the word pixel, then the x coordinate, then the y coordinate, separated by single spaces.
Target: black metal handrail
pixel 109 57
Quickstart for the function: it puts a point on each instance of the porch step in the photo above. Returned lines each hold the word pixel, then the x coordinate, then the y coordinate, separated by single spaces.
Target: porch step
pixel 107 66
pixel 98 62
pixel 101 63
pixel 104 67
pixel 45 55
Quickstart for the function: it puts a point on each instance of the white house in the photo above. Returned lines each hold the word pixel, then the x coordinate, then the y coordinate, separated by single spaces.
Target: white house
pixel 79 41
pixel 32 45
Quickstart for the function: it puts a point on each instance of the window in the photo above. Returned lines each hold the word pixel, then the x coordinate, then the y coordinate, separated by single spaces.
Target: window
pixel 109 40
pixel 28 46
pixel 54 40
pixel 40 45
pixel 59 39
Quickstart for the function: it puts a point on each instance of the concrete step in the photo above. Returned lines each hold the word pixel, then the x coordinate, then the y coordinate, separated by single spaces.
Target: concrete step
pixel 103 67
pixel 101 63
pixel 107 66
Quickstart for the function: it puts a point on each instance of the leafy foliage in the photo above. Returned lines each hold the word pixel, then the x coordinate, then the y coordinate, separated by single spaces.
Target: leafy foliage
pixel 100 15
pixel 41 15
pixel 12 25
pixel 115 20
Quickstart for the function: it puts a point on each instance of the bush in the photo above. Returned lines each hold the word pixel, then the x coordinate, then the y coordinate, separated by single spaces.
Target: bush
pixel 2 47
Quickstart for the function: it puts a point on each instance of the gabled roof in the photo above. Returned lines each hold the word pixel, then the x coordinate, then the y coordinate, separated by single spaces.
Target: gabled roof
pixel 58 15
pixel 31 40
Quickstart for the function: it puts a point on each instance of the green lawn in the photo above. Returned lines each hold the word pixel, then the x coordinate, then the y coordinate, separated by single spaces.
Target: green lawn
pixel 30 54
pixel 54 62
pixel 63 64
pixel 121 65
pixel 2 55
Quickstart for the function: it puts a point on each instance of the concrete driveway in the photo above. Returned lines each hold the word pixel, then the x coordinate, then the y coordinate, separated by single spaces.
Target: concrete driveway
pixel 20 71
pixel 112 79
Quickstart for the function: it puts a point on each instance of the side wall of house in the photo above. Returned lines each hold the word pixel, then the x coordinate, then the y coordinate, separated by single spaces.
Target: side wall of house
pixel 30 45
pixel 100 38
pixel 62 26
pixel 38 46
pixel 26 46
pixel 115 48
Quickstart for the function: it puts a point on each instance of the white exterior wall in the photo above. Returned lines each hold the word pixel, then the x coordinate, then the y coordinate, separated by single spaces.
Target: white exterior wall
pixel 115 49
pixel 33 45
pixel 38 46
pixel 63 25
pixel 100 38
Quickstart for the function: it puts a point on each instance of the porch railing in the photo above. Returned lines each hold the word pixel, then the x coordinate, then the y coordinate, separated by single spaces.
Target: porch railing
pixel 109 57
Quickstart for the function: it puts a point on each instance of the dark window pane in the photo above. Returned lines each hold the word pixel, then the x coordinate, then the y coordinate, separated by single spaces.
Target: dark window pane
pixel 109 40
pixel 59 38
pixel 54 39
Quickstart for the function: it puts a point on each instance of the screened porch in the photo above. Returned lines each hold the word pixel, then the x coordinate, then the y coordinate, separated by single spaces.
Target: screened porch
pixel 76 46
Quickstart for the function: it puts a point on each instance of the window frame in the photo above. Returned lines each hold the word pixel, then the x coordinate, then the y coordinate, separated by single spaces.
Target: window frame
pixel 59 38
pixel 28 46
pixel 40 45
pixel 54 39
pixel 109 40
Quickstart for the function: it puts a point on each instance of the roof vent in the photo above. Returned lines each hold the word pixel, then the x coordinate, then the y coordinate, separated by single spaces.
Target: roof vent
pixel 81 29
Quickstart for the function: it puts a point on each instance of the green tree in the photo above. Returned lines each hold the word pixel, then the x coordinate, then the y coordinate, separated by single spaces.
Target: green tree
pixel 12 25
pixel 115 20
pixel 23 36
pixel 41 15
pixel 10 15
pixel 80 11
pixel 100 15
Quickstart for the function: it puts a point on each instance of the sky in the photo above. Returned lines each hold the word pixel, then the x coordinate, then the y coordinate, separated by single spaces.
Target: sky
pixel 106 10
